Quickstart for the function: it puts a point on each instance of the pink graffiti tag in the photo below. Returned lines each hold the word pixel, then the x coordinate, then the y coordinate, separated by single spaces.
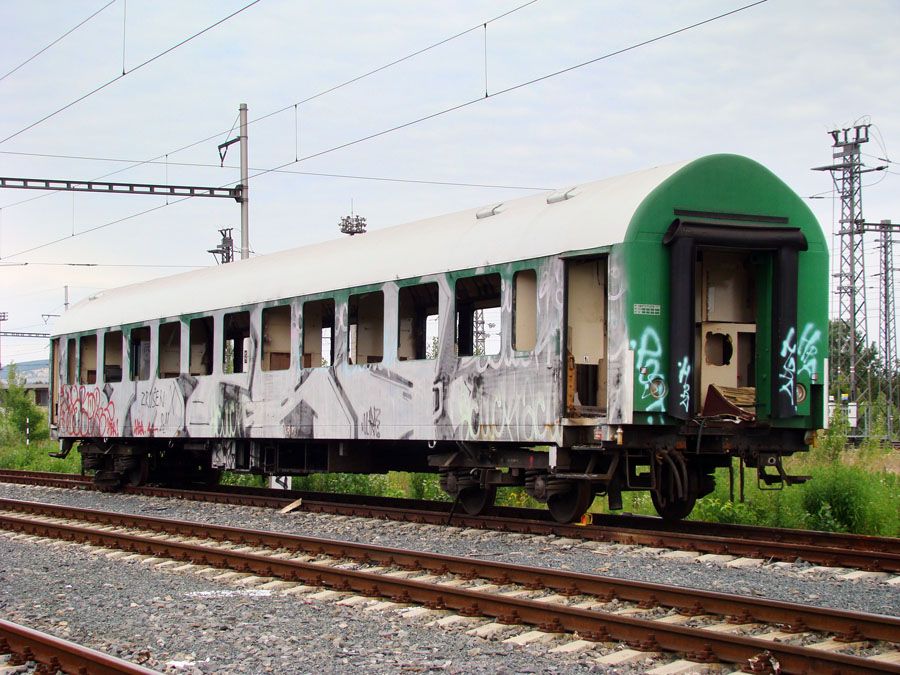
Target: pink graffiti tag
pixel 83 413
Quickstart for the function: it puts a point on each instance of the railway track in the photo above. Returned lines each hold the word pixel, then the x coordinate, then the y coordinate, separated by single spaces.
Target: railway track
pixel 22 645
pixel 877 554
pixel 705 626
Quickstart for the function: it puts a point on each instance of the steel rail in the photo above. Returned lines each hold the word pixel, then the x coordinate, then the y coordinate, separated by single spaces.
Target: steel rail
pixel 848 625
pixel 696 643
pixel 829 553
pixel 823 548
pixel 29 644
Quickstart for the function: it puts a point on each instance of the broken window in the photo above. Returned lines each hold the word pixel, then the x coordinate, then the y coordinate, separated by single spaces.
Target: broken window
pixel 170 349
pixel 366 321
pixel 87 360
pixel 524 310
pixel 112 356
pixel 276 338
pixel 478 315
pixel 201 346
pixel 417 329
pixel 71 360
pixel 140 353
pixel 236 344
pixel 318 333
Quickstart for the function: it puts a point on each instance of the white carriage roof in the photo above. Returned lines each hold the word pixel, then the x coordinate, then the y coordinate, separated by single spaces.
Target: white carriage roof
pixel 594 214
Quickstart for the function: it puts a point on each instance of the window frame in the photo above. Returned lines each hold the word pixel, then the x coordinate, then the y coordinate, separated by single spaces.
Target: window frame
pixel 515 312
pixel 350 323
pixel 333 326
pixel 209 323
pixel 81 359
pixel 463 277
pixel 263 351
pixel 159 347
pixel 401 317
pixel 228 336
pixel 134 363
pixel 106 333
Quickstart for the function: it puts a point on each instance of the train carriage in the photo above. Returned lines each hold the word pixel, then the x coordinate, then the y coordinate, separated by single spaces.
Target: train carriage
pixel 634 333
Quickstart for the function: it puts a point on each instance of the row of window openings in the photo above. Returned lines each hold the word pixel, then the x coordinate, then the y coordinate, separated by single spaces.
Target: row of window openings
pixel 477 332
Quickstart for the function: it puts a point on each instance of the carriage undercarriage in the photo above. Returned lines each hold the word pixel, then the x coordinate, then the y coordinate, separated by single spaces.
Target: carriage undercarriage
pixel 676 469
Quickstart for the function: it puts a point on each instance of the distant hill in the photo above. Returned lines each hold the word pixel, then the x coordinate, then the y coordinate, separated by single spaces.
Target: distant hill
pixel 32 371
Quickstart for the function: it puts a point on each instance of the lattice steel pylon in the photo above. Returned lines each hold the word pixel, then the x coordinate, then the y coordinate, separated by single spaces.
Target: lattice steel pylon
pixel 849 272
pixel 479 333
pixel 888 318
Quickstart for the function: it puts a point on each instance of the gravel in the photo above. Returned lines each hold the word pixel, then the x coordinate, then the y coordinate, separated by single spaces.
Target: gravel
pixel 184 623
pixel 189 623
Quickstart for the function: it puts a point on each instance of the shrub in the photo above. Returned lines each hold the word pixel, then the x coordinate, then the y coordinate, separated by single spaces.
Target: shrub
pixel 849 499
pixel 243 479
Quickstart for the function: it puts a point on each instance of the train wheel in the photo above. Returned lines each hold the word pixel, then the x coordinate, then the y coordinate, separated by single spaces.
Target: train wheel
pixel 138 473
pixel 671 507
pixel 476 500
pixel 570 505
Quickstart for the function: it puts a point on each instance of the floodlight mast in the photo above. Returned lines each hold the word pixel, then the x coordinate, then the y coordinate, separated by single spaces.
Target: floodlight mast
pixel 245 188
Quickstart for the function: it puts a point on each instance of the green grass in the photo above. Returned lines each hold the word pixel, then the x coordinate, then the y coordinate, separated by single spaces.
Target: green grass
pixel 17 455
pixel 849 492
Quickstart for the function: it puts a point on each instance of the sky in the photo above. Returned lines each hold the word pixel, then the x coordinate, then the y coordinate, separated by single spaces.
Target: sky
pixel 768 81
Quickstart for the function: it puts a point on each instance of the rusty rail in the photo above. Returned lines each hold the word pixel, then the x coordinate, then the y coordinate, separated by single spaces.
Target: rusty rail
pixel 593 624
pixel 823 548
pixel 56 654
pixel 848 625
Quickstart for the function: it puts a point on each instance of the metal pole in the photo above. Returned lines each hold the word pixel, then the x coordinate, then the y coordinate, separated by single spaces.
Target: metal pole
pixel 3 317
pixel 245 196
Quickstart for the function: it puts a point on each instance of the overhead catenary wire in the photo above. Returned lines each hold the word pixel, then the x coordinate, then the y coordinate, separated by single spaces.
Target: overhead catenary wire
pixel 518 86
pixel 56 41
pixel 421 119
pixel 328 90
pixel 129 72
pixel 87 264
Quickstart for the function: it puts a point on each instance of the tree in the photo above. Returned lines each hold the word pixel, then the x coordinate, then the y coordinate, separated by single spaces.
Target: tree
pixel 19 410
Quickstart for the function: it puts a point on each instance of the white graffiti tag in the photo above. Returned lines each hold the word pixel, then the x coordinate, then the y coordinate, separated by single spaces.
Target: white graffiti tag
pixel 684 379
pixel 808 350
pixel 788 374
pixel 648 364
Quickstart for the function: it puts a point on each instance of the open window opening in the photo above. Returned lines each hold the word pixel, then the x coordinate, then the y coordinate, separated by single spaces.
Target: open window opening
pixel 478 315
pixel 170 349
pixel 366 322
pixel 318 333
pixel 586 337
pixel 236 342
pixel 112 356
pixel 87 360
pixel 71 360
pixel 276 338
pixel 201 338
pixel 140 353
pixel 525 310
pixel 725 301
pixel 417 334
